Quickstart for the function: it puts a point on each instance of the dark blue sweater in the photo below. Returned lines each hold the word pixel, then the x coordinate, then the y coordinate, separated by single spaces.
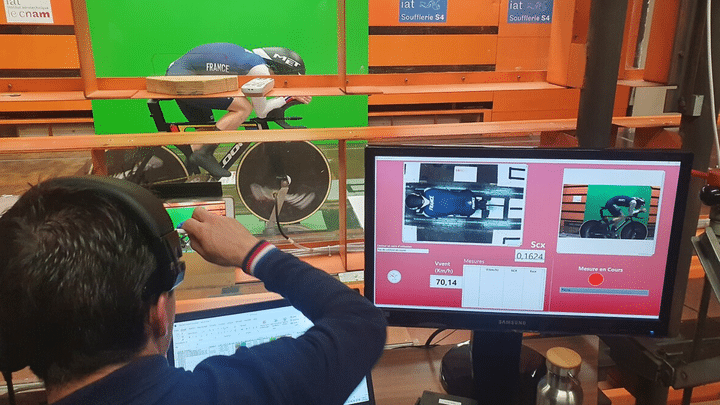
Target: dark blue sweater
pixel 323 366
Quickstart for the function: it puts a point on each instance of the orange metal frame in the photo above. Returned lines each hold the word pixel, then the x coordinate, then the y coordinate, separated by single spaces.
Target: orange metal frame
pixel 89 86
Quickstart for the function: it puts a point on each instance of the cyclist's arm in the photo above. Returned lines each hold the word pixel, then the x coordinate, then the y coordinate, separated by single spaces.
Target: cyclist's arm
pixel 262 105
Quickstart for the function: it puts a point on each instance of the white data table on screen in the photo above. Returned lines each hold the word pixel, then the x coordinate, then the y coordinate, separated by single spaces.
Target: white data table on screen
pixel 503 287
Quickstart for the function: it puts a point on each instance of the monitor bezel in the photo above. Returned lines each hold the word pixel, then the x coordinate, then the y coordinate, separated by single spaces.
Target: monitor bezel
pixel 544 323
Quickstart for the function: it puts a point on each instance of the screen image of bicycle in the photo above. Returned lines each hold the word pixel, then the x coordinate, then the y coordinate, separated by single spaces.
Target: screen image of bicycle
pixel 620 210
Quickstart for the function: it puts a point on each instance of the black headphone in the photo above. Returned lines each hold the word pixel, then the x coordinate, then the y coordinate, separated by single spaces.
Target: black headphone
pixel 152 218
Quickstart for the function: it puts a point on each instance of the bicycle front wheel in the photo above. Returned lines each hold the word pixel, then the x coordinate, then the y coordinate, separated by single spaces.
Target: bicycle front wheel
pixel 146 165
pixel 586 226
pixel 634 230
pixel 594 229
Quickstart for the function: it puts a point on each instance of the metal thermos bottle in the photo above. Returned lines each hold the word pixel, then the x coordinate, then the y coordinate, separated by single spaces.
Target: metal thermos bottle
pixel 560 385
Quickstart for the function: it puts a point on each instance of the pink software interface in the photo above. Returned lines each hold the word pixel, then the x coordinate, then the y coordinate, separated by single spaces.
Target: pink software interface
pixel 522 236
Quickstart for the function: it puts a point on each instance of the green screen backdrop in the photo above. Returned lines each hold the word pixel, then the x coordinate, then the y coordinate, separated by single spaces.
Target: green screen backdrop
pixel 134 38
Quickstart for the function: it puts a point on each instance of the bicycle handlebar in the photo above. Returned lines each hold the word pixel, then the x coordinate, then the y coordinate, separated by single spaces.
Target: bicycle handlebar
pixel 278 116
pixel 635 214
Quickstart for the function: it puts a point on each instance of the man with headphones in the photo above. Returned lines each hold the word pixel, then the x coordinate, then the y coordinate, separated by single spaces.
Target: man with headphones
pixel 87 276
pixel 231 59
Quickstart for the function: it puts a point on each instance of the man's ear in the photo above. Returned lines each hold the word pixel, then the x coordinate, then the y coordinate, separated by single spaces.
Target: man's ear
pixel 162 315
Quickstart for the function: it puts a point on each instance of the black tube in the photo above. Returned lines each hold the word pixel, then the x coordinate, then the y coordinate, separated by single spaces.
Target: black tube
pixel 597 96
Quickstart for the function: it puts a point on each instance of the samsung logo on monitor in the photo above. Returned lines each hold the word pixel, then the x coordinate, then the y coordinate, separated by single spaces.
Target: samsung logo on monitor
pixel 513 323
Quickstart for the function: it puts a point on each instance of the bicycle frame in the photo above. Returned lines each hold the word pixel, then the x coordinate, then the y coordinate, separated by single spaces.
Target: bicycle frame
pixel 615 230
pixel 235 152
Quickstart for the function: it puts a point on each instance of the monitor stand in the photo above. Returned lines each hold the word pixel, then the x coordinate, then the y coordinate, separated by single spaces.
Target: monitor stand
pixel 495 368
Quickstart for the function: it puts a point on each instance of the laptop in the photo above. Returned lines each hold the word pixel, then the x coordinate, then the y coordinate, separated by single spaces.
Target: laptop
pixel 204 333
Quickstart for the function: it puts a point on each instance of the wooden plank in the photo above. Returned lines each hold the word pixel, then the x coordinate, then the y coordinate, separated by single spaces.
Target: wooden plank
pixel 459 13
pixel 38 52
pixel 61 12
pixel 431 50
pixel 191 85
pixel 522 53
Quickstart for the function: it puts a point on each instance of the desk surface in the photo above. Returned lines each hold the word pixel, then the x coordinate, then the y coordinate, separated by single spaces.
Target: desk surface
pixel 403 373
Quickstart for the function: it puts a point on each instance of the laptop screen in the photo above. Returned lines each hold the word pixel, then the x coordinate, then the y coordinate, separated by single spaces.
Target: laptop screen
pixel 201 334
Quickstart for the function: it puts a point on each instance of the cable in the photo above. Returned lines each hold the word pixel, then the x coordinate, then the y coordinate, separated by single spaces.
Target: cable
pixel 277 219
pixel 279 227
pixel 708 31
pixel 432 336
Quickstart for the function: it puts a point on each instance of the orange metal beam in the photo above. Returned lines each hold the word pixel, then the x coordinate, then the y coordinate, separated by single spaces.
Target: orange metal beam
pixel 60 89
pixel 342 202
pixel 48 52
pixel 84 44
pixel 474 131
pixel 470 131
pixel 341 45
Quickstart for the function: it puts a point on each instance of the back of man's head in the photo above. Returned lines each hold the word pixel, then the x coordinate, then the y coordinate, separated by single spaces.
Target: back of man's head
pixel 72 270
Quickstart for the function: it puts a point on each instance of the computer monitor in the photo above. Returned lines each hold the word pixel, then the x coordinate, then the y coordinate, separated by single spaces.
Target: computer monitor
pixel 221 331
pixel 506 240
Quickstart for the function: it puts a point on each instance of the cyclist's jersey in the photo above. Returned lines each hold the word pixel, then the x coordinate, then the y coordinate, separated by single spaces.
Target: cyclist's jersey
pixel 221 59
pixel 445 203
pixel 215 59
pixel 619 201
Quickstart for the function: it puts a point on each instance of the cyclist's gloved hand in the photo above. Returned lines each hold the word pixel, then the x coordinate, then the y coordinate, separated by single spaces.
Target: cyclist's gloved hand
pixel 300 99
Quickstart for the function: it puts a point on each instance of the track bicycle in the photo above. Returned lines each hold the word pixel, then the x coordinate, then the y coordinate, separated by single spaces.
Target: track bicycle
pixel 290 178
pixel 628 228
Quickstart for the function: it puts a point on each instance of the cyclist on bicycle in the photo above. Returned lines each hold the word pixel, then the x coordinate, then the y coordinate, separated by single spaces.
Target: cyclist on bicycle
pixel 231 59
pixel 631 203
pixel 435 202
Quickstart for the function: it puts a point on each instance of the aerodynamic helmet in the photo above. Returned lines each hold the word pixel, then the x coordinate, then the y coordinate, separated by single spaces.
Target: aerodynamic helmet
pixel 282 61
pixel 639 202
pixel 414 201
